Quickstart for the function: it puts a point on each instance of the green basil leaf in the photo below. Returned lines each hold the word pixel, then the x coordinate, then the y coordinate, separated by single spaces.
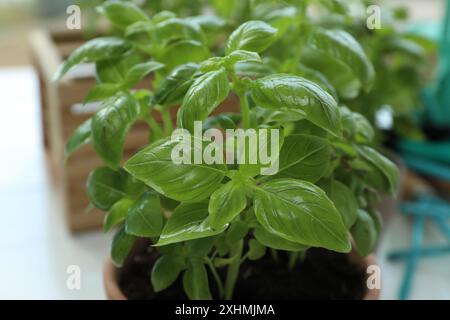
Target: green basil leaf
pixel 122 14
pixel 110 127
pixel 303 126
pixel 343 199
pixel 166 270
pixel 377 220
pixel 183 182
pixel 343 147
pixel 174 87
pixel 405 46
pixel 384 174
pixel 178 29
pixel 252 69
pixel 182 52
pixel 105 187
pixel 265 145
pixel 139 27
pixel 279 16
pixel 304 157
pixel 270 116
pixel 319 78
pixel 188 222
pixel 145 218
pixel 212 64
pixel 176 249
pixel 253 36
pixel 337 45
pixel 199 248
pixel 133 187
pixel 117 213
pixel 139 71
pixel 195 281
pixel 282 91
pixel 226 203
pixel 222 246
pixel 339 75
pixel 364 233
pixel 357 126
pixel 300 212
pixel 168 204
pixel 241 55
pixel 335 6
pixel 94 50
pixel 163 16
pixel 236 232
pixel 224 8
pixel 223 120
pixel 80 137
pixel 256 250
pixel 275 242
pixel 204 95
pixel 121 246
pixel 102 91
pixel 208 22
pixel 114 70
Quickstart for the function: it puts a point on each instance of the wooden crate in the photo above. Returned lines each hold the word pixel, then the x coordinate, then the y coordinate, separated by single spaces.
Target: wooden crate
pixel 61 113
pixel 60 103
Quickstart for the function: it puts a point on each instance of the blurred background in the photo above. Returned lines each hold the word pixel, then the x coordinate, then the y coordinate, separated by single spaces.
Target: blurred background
pixel 43 232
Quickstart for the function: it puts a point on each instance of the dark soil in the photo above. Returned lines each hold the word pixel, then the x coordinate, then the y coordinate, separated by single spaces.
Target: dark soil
pixel 322 274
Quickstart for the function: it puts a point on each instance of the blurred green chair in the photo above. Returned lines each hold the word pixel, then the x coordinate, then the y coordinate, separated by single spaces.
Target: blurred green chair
pixel 436 96
pixel 429 158
pixel 424 208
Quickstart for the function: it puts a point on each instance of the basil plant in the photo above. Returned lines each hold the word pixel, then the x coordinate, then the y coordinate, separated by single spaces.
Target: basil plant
pixel 206 219
pixel 402 60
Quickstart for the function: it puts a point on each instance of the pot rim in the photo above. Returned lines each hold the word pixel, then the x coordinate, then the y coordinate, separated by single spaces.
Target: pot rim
pixel 110 281
pixel 113 292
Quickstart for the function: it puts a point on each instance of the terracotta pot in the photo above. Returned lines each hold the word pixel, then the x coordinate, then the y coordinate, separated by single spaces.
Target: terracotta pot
pixel 111 283
pixel 113 292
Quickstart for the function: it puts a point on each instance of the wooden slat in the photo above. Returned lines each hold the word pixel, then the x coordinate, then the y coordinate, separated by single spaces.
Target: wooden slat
pixel 45 54
pixel 66 48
